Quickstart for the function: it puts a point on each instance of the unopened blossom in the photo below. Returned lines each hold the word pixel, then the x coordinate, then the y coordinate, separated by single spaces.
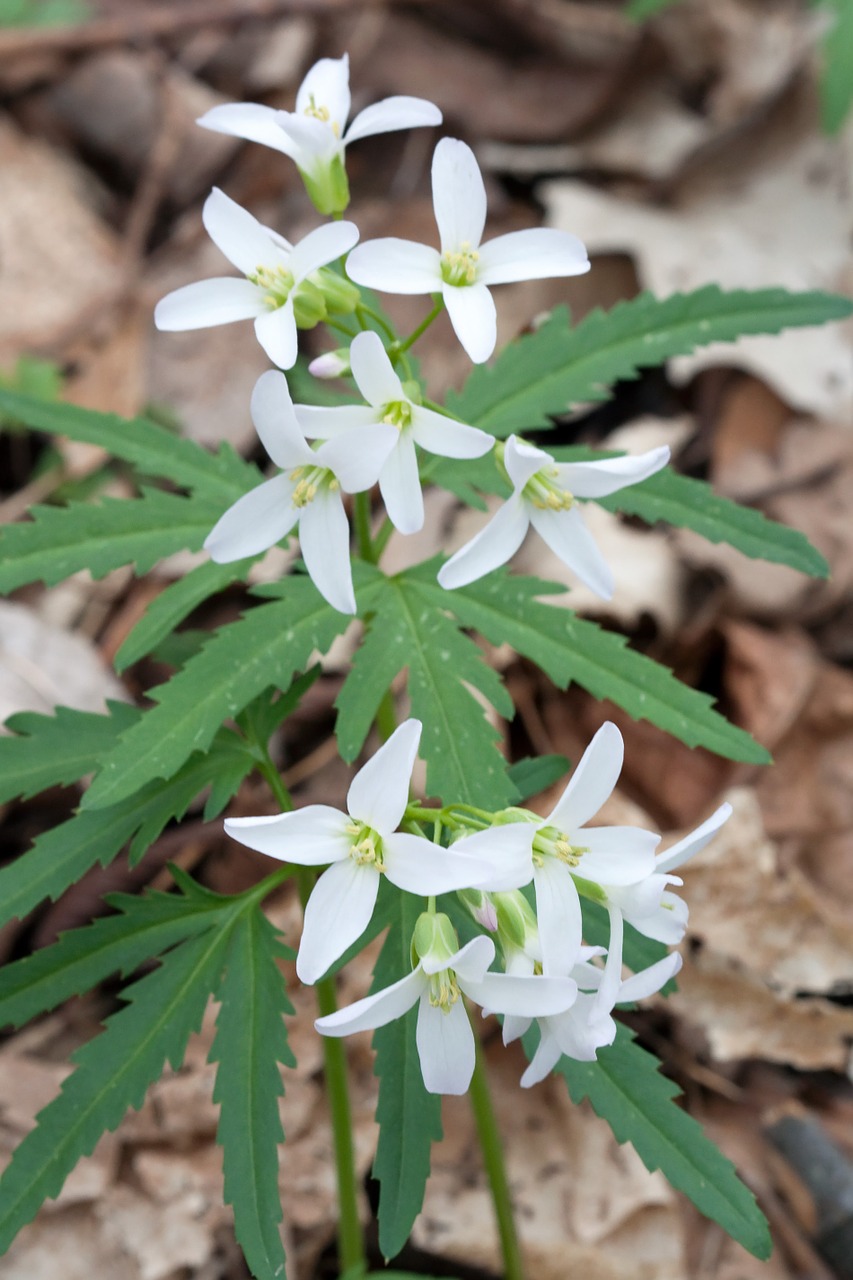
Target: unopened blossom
pixel 463 269
pixel 315 134
pixel 364 844
pixel 307 493
pixel 442 976
pixel 278 291
pixel 388 402
pixel 544 494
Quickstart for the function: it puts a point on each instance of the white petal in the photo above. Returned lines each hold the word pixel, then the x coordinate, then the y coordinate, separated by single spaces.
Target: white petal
pixel 598 479
pixel 376 1010
pixel 458 196
pixel 607 993
pixel 209 303
pixel 474 319
pixel 643 898
pixel 400 112
pixel 592 782
pixel 250 121
pixel 470 962
pixel 321 246
pixel 310 837
pixel 327 85
pixel 558 912
pixel 379 792
pixel 578 1034
pixel 523 460
pixel 668 924
pixel 679 853
pixel 313 142
pixel 533 997
pixel 336 915
pixel 357 459
pixel 276 332
pixel 324 538
pixel 416 865
pixel 514 1027
pixel 506 851
pixel 491 547
pixel 544 1060
pixel 400 486
pixel 254 523
pixel 276 423
pixel 373 371
pixel 617 855
pixel 570 540
pixel 396 266
pixel 645 983
pixel 326 422
pixel 445 1047
pixel 439 434
pixel 539 253
pixel 238 235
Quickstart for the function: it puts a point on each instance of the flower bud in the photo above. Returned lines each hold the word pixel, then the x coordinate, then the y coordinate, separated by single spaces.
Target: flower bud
pixel 480 906
pixel 340 295
pixel 309 305
pixel 434 936
pixel 331 364
pixel 327 186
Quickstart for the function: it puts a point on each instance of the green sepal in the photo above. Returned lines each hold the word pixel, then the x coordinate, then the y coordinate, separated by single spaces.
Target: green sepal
pixel 328 188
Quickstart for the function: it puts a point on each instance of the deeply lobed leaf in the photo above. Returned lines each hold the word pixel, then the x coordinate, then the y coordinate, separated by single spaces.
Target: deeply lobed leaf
pixel 48 751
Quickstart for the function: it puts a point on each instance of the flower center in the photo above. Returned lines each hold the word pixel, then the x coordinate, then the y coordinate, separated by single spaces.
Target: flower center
pixel 460 267
pixel 277 283
pixel 310 480
pixel 398 413
pixel 544 492
pixel 323 114
pixel 443 990
pixel 551 843
pixel 366 847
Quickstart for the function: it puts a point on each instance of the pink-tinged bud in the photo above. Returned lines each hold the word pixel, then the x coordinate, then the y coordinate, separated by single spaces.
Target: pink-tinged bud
pixel 486 915
pixel 332 364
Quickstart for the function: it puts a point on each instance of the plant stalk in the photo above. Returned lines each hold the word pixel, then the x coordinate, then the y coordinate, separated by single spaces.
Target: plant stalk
pixel 493 1161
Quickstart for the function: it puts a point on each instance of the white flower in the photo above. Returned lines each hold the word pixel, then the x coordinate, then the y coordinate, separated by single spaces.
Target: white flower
pixel 564 847
pixel 387 402
pixel 464 268
pixel 307 493
pixel 313 135
pixel 584 1028
pixel 445 1040
pixel 364 844
pixel 544 493
pixel 276 292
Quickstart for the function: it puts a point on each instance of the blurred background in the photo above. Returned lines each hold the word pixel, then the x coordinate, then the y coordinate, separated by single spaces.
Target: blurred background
pixel 705 143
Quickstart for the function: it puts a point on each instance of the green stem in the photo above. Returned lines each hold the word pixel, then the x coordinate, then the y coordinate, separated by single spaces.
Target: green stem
pixel 363 310
pixel 380 542
pixel 341 328
pixel 422 328
pixel 274 781
pixel 490 1144
pixel 351 1252
pixel 361 512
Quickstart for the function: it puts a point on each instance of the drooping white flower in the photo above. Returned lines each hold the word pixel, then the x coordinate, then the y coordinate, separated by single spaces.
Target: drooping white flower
pixel 544 493
pixel 276 292
pixel 388 402
pixel 364 843
pixel 314 134
pixel 445 1040
pixel 464 268
pixel 307 493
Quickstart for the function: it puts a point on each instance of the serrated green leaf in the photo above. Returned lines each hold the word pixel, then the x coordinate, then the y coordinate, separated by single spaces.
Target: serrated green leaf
pixel 251 1041
pixel 408 630
pixel 627 1090
pixel 174 604
pixel 570 649
pixel 547 372
pixel 535 773
pixel 113 1072
pixel 144 927
pixel 836 82
pixel 409 1118
pixel 50 751
pixel 100 537
pixel 59 857
pixel 153 451
pixel 267 646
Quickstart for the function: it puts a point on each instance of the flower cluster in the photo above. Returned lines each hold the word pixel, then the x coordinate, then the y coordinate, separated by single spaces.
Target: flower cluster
pixel 547 973
pixel 325 453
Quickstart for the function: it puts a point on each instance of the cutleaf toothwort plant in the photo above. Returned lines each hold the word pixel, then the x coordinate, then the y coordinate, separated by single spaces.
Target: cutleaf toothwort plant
pixel 484 903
